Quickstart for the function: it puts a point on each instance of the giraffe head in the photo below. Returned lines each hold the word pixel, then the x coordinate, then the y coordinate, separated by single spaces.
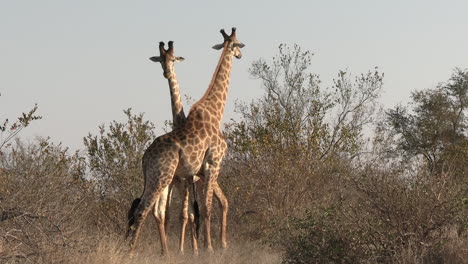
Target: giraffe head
pixel 167 59
pixel 230 43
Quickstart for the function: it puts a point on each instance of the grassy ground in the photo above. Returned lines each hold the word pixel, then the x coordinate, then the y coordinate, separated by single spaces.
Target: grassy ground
pixel 111 251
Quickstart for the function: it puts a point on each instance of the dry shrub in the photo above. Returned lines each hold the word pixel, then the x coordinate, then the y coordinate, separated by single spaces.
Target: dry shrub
pixel 266 193
pixel 385 217
pixel 455 251
pixel 51 213
pixel 42 200
pixel 396 213
pixel 49 209
pixel 314 239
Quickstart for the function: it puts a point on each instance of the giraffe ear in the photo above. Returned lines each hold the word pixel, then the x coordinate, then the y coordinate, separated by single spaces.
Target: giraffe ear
pixel 240 45
pixel 218 46
pixel 179 58
pixel 155 59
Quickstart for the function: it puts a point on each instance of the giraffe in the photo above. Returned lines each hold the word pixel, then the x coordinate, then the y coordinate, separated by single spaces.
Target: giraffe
pixel 197 148
pixel 167 60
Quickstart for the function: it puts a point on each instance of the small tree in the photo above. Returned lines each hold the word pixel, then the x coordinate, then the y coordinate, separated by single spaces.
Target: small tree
pixel 296 139
pixel 114 160
pixel 115 154
pixel 296 113
pixel 435 124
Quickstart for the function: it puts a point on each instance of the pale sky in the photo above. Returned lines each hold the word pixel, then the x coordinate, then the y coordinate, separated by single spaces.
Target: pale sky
pixel 85 61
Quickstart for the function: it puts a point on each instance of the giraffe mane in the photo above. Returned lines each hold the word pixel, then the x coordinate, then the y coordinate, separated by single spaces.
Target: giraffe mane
pixel 216 72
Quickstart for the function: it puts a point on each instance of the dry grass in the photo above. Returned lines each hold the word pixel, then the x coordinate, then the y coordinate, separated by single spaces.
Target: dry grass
pixel 111 251
pixel 454 251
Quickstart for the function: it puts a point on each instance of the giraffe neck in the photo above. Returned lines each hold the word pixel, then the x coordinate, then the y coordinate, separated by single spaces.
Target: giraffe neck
pixel 178 115
pixel 215 96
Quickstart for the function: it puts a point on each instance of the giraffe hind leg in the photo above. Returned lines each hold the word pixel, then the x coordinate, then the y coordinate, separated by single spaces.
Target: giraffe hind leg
pixel 194 231
pixel 159 213
pixel 150 197
pixel 194 218
pixel 139 216
pixel 184 194
pixel 169 204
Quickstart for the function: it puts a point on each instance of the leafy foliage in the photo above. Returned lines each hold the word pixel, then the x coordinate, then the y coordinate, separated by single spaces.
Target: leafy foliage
pixel 297 114
pixel 115 154
pixel 15 128
pixel 315 241
pixel 435 126
pixel 294 141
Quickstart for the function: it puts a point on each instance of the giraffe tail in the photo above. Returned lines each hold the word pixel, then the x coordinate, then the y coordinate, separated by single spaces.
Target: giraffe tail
pixel 130 215
pixel 196 209
pixel 196 212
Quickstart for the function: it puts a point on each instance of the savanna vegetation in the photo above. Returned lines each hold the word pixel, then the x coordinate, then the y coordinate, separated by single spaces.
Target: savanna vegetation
pixel 314 174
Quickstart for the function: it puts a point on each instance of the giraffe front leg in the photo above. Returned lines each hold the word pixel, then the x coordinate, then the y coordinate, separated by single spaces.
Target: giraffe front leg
pixel 211 174
pixel 212 165
pixel 223 202
pixel 206 214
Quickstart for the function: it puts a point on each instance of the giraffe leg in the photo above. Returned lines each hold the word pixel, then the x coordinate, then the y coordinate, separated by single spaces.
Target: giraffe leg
pixel 205 214
pixel 159 213
pixel 193 228
pixel 224 208
pixel 168 205
pixel 223 202
pixel 194 215
pixel 211 167
pixel 139 217
pixel 184 194
pixel 155 189
pixel 211 174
